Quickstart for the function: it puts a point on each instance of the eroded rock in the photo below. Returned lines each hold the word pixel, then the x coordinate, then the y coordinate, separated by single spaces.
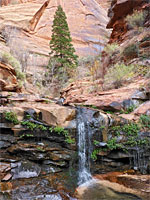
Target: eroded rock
pixel 8 80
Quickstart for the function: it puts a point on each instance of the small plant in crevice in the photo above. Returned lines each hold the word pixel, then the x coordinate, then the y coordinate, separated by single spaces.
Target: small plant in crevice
pixel 131 51
pixel 94 154
pixel 145 121
pixel 133 141
pixel 26 135
pixel 12 117
pixel 29 125
pixel 129 109
pixel 131 129
pixel 95 142
pixel 112 144
pixel 61 131
pixel 40 149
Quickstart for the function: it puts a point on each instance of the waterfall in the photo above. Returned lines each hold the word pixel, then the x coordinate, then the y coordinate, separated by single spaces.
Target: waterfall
pixel 139 160
pixel 84 146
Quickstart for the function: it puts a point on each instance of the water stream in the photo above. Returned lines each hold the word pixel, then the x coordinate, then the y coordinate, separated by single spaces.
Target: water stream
pixel 84 147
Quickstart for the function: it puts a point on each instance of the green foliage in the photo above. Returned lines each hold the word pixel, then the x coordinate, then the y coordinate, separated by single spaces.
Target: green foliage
pixel 94 154
pixel 112 144
pixel 40 149
pixel 102 127
pixel 70 140
pixel 111 48
pixel 62 51
pixel 116 130
pixel 145 121
pixel 131 129
pixel 137 19
pixel 12 117
pixel 42 127
pixel 131 51
pixel 61 131
pixel 128 110
pixel 134 141
pixel 32 126
pixel 9 59
pixel 85 61
pixel 26 135
pixel 118 74
pixel 90 106
pixel 95 142
pixel 130 132
pixel 29 125
pixel 109 112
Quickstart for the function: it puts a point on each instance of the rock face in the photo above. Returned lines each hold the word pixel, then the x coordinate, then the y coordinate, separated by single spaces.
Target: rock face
pixel 118 11
pixel 116 99
pixel 8 80
pixel 35 17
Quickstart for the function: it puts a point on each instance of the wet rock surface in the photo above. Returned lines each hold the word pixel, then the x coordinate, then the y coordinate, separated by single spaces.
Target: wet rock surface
pixel 127 181
pixel 96 189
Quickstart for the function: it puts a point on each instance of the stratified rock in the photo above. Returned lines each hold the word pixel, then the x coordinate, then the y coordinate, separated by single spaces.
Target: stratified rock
pixel 7 177
pixel 114 100
pixel 26 169
pixel 4 144
pixel 8 80
pixel 118 11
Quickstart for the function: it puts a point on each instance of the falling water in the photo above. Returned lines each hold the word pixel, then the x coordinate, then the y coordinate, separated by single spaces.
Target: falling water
pixel 139 160
pixel 84 147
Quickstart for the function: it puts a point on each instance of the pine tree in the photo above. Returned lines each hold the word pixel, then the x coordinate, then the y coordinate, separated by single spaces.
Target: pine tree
pixel 62 51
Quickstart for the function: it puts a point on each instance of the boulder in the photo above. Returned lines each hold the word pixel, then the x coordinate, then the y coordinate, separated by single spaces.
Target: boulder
pixel 57 115
pixel 144 108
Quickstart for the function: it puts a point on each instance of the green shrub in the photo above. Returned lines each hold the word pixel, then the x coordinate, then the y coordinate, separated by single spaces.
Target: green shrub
pixel 145 120
pixel 137 19
pixel 61 131
pixel 9 59
pixel 111 48
pixel 112 144
pixel 87 60
pixel 118 74
pixel 131 51
pixel 29 125
pixel 12 117
pixel 131 129
pixel 94 154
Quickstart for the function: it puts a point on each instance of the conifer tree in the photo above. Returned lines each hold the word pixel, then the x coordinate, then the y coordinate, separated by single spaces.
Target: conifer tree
pixel 62 51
